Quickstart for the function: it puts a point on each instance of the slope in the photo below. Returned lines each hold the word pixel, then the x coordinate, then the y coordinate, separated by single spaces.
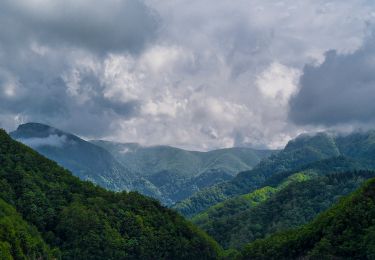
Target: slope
pixel 345 231
pixel 301 151
pixel 85 160
pixel 286 207
pixel 87 222
pixel 18 239
pixel 176 173
pixel 166 173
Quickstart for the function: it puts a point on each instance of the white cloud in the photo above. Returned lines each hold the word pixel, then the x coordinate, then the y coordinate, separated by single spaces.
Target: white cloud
pixel 51 140
pixel 217 73
pixel 278 82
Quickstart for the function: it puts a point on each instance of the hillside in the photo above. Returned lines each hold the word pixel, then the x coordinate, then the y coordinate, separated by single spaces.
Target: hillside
pixel 293 203
pixel 87 161
pixel 176 173
pixel 81 221
pixel 298 153
pixel 18 239
pixel 345 231
pixel 166 173
pixel 150 160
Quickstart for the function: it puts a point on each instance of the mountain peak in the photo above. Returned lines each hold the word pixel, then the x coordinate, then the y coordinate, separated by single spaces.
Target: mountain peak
pixel 34 126
pixel 320 141
pixel 31 130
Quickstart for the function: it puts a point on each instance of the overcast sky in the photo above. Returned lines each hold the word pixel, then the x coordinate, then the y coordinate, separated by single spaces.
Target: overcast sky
pixel 197 74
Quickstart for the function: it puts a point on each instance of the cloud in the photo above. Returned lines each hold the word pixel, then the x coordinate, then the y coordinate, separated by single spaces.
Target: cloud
pixel 197 74
pixel 232 68
pixel 340 91
pixel 278 82
pixel 52 55
pixel 51 140
pixel 71 96
pixel 113 25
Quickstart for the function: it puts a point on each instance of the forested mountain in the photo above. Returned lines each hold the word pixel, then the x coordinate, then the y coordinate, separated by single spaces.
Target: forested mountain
pixel 47 211
pixel 175 173
pixel 166 173
pixel 19 239
pixel 345 231
pixel 298 153
pixel 272 209
pixel 85 160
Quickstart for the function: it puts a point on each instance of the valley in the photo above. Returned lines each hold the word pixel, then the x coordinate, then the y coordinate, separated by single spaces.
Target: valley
pixel 242 198
pixel 166 173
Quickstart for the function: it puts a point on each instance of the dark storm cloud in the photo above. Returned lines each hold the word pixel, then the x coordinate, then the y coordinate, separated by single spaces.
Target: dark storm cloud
pixel 42 95
pixel 43 41
pixel 339 91
pixel 101 26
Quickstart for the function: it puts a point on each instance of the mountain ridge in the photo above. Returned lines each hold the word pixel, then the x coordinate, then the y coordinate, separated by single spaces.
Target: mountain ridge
pixel 82 221
pixel 183 171
pixel 87 161
pixel 344 231
pixel 166 173
pixel 300 151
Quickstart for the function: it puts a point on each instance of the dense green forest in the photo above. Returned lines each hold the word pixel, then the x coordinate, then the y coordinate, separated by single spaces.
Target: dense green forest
pixel 304 150
pixel 269 210
pixel 18 239
pixel 346 231
pixel 46 211
pixel 328 167
pixel 296 154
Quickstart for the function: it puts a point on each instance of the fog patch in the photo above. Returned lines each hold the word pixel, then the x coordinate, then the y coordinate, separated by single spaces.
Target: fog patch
pixel 51 140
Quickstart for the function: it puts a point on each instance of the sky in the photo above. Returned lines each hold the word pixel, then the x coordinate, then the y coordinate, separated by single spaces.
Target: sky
pixel 196 74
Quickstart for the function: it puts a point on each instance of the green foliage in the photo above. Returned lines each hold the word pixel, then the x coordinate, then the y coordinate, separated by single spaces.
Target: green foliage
pixel 345 231
pixel 18 239
pixel 297 153
pixel 220 220
pixel 265 211
pixel 87 222
pixel 175 174
pixel 355 151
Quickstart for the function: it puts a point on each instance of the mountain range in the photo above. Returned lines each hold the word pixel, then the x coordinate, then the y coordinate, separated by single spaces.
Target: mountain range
pixel 345 231
pixel 305 149
pixel 47 213
pixel 313 200
pixel 167 173
pixel 284 191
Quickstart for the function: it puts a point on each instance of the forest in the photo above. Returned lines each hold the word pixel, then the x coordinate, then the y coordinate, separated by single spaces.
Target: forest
pixel 47 212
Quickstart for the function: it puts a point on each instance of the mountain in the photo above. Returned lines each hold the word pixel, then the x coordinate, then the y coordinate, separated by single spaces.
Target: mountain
pixel 46 210
pixel 85 160
pixel 273 209
pixel 277 203
pixel 299 152
pixel 175 173
pixel 345 231
pixel 302 150
pixel 154 159
pixel 166 173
